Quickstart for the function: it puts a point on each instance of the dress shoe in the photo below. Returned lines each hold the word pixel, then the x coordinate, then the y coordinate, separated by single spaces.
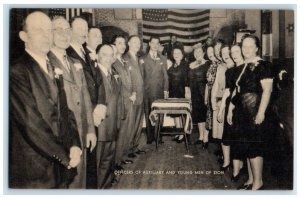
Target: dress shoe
pixel 180 140
pixel 132 155
pixel 140 152
pixel 149 142
pixel 175 138
pixel 127 162
pixel 261 188
pixel 198 142
pixel 205 145
pixel 245 187
pixel 226 168
pixel 235 178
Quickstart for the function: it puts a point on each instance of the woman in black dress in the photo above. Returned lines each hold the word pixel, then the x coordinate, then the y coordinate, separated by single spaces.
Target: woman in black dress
pixel 178 82
pixel 228 138
pixel 250 114
pixel 197 84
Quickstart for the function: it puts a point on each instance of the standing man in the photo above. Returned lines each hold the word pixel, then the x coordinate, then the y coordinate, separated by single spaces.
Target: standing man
pixel 78 97
pixel 136 74
pixel 108 128
pixel 43 139
pixel 93 79
pixel 128 98
pixel 94 39
pixel 156 84
pixel 76 50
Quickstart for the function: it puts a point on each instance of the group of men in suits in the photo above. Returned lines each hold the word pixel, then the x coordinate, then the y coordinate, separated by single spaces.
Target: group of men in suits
pixel 76 105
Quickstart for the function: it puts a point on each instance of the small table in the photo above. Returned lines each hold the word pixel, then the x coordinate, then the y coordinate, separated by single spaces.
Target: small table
pixel 171 106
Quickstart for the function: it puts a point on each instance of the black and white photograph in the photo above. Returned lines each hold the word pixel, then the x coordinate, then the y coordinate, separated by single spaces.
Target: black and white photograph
pixel 148 98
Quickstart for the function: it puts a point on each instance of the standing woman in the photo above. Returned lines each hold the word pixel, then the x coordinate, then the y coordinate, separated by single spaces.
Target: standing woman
pixel 197 84
pixel 229 136
pixel 178 82
pixel 250 116
pixel 221 81
pixel 211 76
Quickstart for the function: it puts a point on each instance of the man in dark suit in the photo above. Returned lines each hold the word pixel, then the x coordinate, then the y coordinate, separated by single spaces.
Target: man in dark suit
pixel 156 82
pixel 136 74
pixel 108 128
pixel 128 97
pixel 80 35
pixel 43 139
pixel 75 87
pixel 76 50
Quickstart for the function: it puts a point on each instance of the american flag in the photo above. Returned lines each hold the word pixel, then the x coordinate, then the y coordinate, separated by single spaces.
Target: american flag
pixel 68 13
pixel 191 26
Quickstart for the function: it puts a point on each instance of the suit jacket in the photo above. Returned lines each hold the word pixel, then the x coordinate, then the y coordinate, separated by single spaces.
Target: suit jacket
pixel 136 73
pixel 92 76
pixel 42 128
pixel 108 129
pixel 125 82
pixel 155 76
pixel 78 97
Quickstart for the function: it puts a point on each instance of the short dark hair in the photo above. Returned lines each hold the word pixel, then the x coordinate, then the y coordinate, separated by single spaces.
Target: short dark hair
pixel 254 37
pixel 133 36
pixel 115 37
pixel 222 47
pixel 154 37
pixel 178 48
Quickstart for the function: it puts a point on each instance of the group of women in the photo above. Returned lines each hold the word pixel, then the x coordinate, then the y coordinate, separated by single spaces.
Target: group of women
pixel 230 89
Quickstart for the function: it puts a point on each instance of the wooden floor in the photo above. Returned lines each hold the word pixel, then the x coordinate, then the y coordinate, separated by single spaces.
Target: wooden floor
pixel 169 168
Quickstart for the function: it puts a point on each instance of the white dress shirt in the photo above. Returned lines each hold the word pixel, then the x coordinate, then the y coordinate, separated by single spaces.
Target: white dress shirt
pixel 42 61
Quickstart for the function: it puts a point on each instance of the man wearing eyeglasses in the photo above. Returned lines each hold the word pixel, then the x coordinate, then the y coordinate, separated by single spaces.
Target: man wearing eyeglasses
pixel 78 97
pixel 43 136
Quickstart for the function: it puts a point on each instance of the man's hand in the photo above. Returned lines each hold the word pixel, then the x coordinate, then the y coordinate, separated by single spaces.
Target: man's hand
pixel 91 141
pixel 133 97
pixel 75 156
pixel 99 114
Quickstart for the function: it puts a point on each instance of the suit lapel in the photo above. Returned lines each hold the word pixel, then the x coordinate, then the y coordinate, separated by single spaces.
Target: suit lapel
pixel 67 75
pixel 42 80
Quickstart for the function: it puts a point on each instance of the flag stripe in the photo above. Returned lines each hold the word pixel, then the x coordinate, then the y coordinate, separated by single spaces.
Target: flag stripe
pixel 164 25
pixel 165 39
pixel 179 13
pixel 205 33
pixel 176 31
pixel 170 27
pixel 188 11
pixel 146 40
pixel 187 18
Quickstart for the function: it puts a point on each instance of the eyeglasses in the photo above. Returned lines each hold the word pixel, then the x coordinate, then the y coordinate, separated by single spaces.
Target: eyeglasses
pixel 62 31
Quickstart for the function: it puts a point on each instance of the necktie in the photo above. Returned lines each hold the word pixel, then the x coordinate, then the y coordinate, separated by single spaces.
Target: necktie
pixel 66 63
pixel 50 69
pixel 82 53
pixel 109 76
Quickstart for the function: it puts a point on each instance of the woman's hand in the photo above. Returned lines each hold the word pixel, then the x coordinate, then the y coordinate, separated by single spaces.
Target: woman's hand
pixel 229 117
pixel 220 116
pixel 259 118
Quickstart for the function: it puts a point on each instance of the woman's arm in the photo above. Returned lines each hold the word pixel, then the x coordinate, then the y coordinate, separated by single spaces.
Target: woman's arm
pixel 267 85
pixel 223 104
